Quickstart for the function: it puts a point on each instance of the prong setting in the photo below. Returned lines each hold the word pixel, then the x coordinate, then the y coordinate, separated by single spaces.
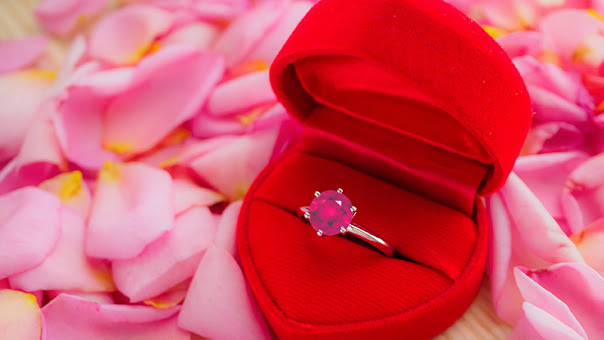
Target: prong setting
pixel 340 190
pixel 353 209
pixel 343 230
pixel 307 215
pixel 320 233
pixel 317 194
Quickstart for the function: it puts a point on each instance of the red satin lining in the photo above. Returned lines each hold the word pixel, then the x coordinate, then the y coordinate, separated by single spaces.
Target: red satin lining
pixel 300 269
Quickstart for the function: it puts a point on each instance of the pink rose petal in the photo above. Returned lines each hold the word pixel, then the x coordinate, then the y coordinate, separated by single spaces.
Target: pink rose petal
pixel 589 241
pixel 232 167
pixel 226 233
pixel 169 260
pixel 198 34
pixel 583 196
pixel 566 29
pixel 272 42
pixel 208 126
pixel 251 90
pixel 21 53
pixel 62 16
pixel 80 130
pixel 553 137
pixel 537 324
pixel 522 43
pixel 124 36
pixel 239 39
pixel 546 174
pixel 525 234
pixel 541 298
pixel 219 304
pixel 40 156
pixel 170 298
pixel 187 194
pixel 102 297
pixel 131 208
pixel 225 9
pixel 27 238
pixel 70 317
pixel 556 95
pixel 67 267
pixel 172 84
pixel 580 287
pixel 71 189
pixel 20 316
pixel 21 95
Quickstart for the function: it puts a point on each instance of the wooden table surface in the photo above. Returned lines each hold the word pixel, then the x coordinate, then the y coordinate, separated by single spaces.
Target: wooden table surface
pixel 480 321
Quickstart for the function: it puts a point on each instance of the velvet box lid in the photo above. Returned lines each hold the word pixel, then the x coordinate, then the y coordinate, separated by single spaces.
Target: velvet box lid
pixel 414 111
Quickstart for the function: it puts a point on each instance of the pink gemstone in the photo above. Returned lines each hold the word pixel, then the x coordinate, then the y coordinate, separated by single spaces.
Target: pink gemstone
pixel 330 211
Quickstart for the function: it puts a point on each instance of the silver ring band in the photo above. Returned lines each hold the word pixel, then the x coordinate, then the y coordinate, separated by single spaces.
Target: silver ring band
pixel 359 232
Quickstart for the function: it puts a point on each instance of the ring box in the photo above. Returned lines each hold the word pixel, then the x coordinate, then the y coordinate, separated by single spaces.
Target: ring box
pixel 413 110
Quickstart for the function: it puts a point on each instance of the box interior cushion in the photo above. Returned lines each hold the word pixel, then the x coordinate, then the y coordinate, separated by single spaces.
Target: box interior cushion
pixel 334 280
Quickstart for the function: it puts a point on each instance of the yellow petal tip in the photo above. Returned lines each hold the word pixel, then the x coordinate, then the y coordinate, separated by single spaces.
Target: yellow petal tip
pixel 110 172
pixel 71 187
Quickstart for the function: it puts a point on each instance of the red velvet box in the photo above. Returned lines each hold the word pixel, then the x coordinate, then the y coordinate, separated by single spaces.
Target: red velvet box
pixel 414 111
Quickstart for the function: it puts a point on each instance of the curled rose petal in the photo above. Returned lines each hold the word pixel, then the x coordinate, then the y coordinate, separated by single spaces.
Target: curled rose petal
pixel 252 89
pixel 20 53
pixel 219 298
pixel 131 208
pixel 169 260
pixel 71 317
pixel 20 316
pixel 62 16
pixel 126 35
pixel 226 233
pixel 187 194
pixel 67 267
pixel 537 324
pixel 589 241
pixel 583 195
pixel 527 235
pixel 71 189
pixel 27 238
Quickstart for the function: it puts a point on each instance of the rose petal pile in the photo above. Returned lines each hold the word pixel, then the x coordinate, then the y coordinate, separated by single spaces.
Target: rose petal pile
pixel 123 169
pixel 546 260
pixel 121 172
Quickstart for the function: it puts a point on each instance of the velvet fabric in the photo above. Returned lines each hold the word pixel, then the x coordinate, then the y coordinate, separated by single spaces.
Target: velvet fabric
pixel 415 112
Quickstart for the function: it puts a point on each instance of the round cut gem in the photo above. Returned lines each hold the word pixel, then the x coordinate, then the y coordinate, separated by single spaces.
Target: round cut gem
pixel 330 212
